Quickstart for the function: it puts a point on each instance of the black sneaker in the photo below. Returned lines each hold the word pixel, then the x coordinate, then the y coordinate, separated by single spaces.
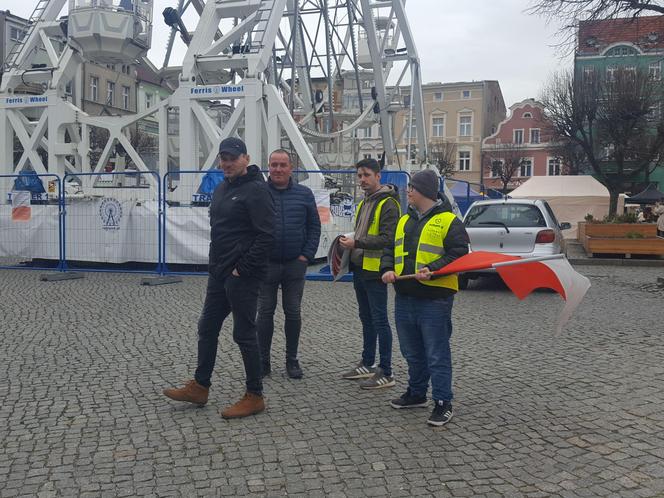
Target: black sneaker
pixel 293 369
pixel 266 370
pixel 441 414
pixel 407 400
pixel 359 372
pixel 378 381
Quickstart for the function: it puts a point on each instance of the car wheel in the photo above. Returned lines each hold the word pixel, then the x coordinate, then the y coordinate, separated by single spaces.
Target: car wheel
pixel 463 282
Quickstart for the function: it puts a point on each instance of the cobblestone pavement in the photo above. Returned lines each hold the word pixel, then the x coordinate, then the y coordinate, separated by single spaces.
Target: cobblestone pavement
pixel 83 363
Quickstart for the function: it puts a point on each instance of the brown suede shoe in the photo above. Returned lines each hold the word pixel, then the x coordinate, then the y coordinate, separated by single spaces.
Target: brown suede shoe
pixel 250 404
pixel 192 392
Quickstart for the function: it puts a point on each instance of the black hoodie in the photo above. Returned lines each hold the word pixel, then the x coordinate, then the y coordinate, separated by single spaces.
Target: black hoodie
pixel 242 219
pixel 456 245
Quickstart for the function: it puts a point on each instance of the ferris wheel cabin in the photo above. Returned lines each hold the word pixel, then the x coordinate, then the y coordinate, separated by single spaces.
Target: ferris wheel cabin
pixel 110 31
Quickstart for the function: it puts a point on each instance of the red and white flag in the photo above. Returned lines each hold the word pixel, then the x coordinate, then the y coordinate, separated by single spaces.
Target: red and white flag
pixel 524 275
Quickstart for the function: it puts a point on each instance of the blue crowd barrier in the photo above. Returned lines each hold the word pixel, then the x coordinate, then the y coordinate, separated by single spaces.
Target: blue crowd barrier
pixel 30 221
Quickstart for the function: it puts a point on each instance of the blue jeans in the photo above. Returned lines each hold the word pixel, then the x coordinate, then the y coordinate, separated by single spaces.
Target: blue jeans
pixel 424 327
pixel 372 303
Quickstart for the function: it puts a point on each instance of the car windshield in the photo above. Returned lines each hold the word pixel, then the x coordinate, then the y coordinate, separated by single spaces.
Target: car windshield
pixel 510 215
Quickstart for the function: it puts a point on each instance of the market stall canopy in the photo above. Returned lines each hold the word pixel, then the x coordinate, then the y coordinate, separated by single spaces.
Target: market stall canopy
pixel 650 195
pixel 571 197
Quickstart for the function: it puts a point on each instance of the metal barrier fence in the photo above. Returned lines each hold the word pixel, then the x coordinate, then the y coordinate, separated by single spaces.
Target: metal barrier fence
pixel 138 222
pixel 112 221
pixel 30 218
pixel 186 220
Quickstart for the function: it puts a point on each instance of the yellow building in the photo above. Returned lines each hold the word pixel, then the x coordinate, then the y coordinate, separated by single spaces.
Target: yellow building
pixel 458 117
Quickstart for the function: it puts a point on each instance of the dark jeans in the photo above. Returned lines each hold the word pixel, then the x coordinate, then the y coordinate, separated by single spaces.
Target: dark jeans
pixel 372 304
pixel 290 276
pixel 424 327
pixel 237 295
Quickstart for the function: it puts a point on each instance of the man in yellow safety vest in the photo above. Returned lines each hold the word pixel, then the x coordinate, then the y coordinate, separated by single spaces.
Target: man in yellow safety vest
pixel 427 238
pixel 375 221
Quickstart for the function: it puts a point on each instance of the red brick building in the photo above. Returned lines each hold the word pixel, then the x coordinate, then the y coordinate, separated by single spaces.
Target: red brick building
pixel 520 148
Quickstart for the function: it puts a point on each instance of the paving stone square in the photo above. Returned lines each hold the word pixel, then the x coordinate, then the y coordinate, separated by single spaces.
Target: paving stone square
pixel 83 363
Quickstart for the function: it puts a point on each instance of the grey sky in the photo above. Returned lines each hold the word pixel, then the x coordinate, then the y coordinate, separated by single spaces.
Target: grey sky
pixel 456 41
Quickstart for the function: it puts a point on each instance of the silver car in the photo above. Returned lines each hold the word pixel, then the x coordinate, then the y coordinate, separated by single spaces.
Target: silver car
pixel 519 227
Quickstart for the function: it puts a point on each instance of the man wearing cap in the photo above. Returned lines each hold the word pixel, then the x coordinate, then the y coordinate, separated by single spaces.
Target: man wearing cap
pixel 242 235
pixel 427 238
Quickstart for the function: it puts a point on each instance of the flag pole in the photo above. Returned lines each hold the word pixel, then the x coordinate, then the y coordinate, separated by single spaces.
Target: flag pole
pixel 528 260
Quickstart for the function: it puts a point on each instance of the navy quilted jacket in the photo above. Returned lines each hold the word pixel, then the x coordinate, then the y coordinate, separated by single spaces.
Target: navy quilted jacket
pixel 297 225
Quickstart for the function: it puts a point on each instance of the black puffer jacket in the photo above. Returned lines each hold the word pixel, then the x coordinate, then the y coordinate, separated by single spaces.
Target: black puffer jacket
pixel 242 219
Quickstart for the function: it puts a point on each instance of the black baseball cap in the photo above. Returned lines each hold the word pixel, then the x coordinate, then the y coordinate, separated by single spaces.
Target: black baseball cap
pixel 233 146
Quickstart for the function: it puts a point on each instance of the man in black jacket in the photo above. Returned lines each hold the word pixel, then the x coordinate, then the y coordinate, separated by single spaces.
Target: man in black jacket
pixel 242 234
pixel 427 238
pixel 297 229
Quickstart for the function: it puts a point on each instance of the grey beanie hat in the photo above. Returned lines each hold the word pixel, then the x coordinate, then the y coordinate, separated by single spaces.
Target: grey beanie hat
pixel 426 183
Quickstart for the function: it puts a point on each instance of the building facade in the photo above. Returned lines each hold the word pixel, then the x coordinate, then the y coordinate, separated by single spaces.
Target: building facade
pixel 458 117
pixel 521 147
pixel 604 46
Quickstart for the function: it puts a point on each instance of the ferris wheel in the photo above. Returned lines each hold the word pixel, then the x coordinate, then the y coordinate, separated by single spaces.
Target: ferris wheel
pixel 278 73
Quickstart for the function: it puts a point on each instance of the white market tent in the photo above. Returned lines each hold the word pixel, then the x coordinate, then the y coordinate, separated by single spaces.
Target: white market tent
pixel 570 197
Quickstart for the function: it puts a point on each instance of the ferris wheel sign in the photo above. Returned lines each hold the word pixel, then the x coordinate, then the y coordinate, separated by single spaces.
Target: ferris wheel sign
pixel 217 91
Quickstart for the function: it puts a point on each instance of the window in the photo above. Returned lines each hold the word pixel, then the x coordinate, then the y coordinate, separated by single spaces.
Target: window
pixel 496 168
pixel 465 126
pixel 406 100
pixel 125 97
pixel 588 74
pixel 511 215
pixel 110 93
pixel 608 152
pixel 367 156
pixel 465 94
pixel 94 88
pixel 16 34
pixel 413 129
pixel 464 160
pixel 148 100
pixel 621 51
pixel 553 168
pixel 630 71
pixel 654 71
pixel 68 88
pixel 438 126
pixel 611 73
pixel 534 136
pixel 526 167
pixel 518 136
pixel 438 96
pixel 367 132
pixel 527 115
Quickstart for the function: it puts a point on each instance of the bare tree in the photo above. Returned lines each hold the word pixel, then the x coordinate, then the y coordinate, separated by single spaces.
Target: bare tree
pixel 504 162
pixel 443 155
pixel 573 160
pixel 618 124
pixel 570 12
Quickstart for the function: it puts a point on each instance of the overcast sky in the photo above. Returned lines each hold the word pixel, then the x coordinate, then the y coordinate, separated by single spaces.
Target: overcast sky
pixel 457 40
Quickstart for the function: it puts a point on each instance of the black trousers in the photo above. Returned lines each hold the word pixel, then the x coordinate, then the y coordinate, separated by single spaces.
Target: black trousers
pixel 290 276
pixel 239 296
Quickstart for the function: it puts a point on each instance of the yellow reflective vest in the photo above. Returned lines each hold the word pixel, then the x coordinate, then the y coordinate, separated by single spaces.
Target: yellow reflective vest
pixel 430 247
pixel 371 258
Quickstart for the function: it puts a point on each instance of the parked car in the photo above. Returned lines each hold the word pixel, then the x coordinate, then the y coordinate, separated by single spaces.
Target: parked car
pixel 519 227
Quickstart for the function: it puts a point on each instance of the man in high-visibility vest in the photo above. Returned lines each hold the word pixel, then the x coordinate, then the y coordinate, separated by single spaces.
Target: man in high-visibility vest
pixel 375 222
pixel 427 238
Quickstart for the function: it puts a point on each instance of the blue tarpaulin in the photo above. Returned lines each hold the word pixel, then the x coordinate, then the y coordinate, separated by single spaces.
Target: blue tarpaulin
pixel 210 181
pixel 464 195
pixel 28 180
